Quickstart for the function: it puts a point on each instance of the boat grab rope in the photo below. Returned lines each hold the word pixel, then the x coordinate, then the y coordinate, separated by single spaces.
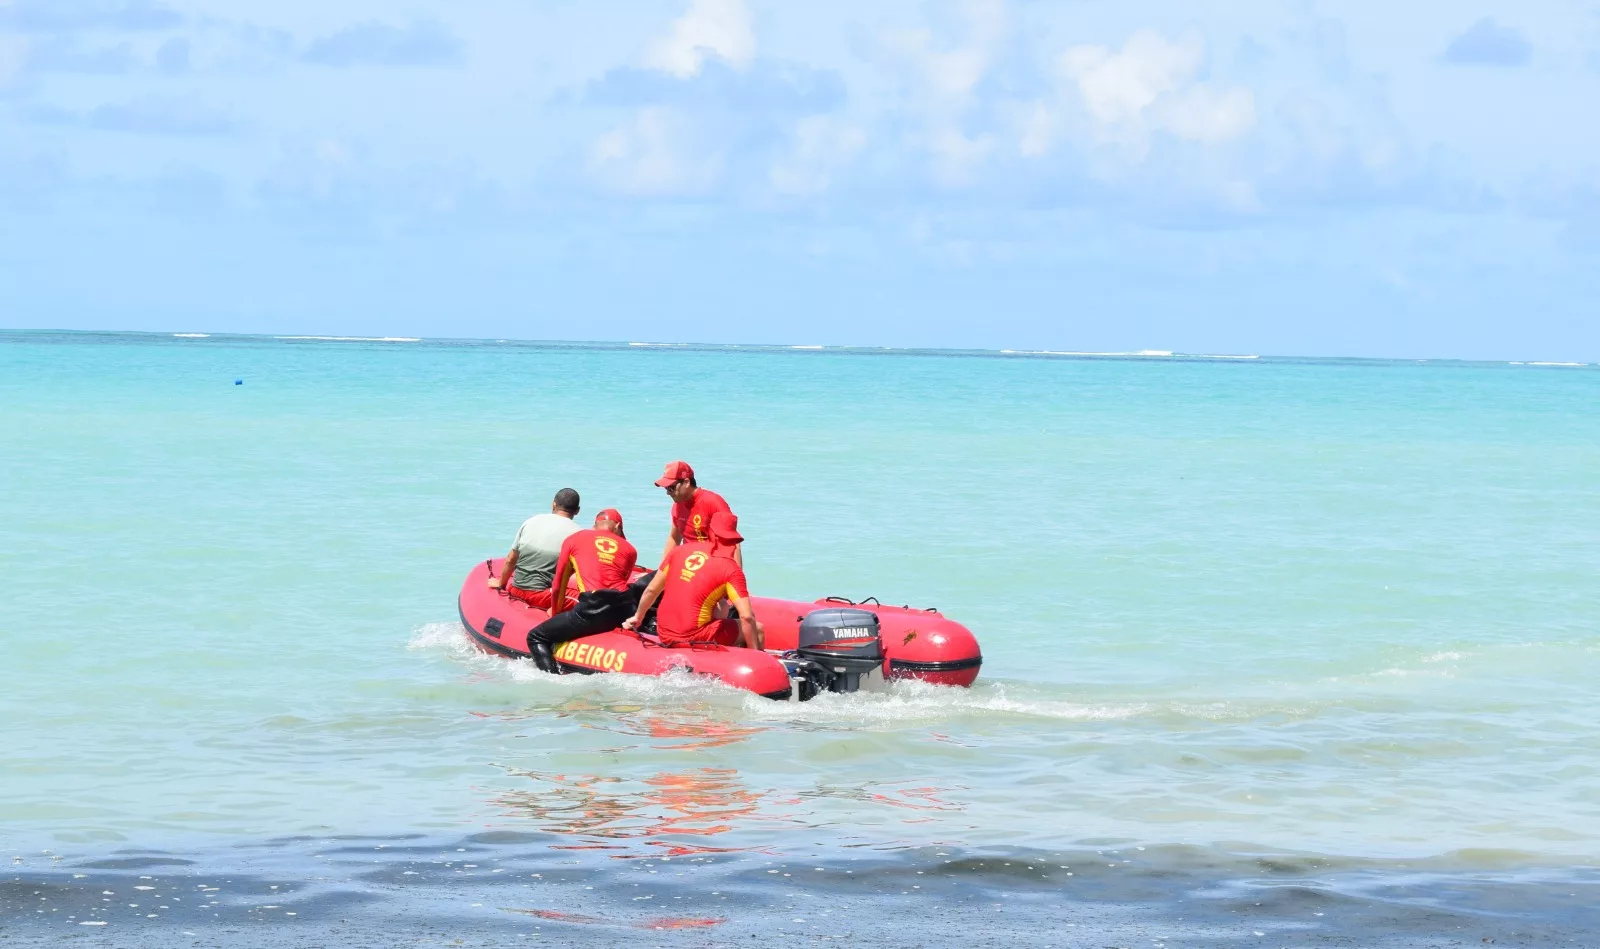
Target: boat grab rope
pixel 876 602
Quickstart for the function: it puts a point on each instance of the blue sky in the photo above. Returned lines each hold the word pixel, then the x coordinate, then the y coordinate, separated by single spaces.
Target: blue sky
pixel 1276 177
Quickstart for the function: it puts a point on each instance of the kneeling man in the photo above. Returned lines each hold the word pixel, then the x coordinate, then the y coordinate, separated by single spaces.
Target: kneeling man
pixel 599 563
pixel 692 581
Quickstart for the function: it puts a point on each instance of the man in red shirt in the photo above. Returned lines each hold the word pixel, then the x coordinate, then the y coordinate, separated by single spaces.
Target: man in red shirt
pixel 696 577
pixel 599 562
pixel 597 559
pixel 692 507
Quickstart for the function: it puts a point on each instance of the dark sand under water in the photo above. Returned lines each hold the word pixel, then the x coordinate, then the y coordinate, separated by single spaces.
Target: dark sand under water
pixel 502 889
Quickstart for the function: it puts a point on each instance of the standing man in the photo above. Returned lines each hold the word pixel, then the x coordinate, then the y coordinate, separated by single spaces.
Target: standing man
pixel 531 564
pixel 692 508
pixel 599 562
pixel 696 577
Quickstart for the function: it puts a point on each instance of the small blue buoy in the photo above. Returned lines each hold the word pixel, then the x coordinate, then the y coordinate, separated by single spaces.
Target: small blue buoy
pixel 238 382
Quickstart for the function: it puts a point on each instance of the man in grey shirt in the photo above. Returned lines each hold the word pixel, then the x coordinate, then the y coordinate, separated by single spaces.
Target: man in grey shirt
pixel 531 564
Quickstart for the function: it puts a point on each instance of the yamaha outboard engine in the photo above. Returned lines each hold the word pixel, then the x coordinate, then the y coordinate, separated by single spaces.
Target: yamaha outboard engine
pixel 838 649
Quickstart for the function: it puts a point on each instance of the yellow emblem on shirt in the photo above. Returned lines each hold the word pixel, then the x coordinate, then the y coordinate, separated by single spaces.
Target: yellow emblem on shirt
pixel 692 565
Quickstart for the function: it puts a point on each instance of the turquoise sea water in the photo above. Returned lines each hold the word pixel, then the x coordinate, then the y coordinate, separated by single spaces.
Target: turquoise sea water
pixel 1334 608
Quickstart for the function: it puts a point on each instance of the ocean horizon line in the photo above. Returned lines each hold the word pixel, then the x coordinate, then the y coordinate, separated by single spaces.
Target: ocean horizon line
pixel 1142 354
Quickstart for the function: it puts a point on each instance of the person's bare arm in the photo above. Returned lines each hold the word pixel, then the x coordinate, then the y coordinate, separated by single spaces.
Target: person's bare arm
pixel 647 599
pixel 750 633
pixel 673 540
pixel 504 580
pixel 558 589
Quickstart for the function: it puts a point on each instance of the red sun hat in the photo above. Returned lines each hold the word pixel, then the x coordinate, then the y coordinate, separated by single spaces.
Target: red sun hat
pixel 676 471
pixel 724 528
pixel 613 515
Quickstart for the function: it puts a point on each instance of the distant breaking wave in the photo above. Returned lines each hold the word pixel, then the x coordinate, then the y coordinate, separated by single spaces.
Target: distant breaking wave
pixel 359 339
pixel 1064 352
pixel 1146 353
pixel 192 335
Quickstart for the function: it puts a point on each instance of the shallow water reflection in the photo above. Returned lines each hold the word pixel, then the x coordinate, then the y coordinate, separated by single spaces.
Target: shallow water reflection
pixel 916 798
pixel 611 813
pixel 682 733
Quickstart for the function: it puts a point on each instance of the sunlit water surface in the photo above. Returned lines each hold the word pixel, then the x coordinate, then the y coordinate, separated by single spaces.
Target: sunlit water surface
pixel 1274 606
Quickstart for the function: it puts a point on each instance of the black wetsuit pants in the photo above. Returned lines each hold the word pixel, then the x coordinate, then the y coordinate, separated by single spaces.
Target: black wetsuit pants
pixel 597 611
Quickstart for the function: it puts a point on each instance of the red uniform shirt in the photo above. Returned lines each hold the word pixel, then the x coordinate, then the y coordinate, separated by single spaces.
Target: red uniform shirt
pixel 597 560
pixel 694 518
pixel 697 580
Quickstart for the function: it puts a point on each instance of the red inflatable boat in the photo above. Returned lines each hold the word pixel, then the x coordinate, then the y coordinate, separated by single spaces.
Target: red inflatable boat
pixel 829 645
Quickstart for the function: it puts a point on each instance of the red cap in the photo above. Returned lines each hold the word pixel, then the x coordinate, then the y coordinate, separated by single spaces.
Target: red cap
pixel 676 471
pixel 611 514
pixel 724 528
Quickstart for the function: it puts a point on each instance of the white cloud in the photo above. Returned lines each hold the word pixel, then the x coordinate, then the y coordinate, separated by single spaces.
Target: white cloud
pixel 823 146
pixel 944 77
pixel 1323 137
pixel 943 82
pixel 1208 113
pixel 719 28
pixel 652 154
pixel 1118 86
pixel 1123 97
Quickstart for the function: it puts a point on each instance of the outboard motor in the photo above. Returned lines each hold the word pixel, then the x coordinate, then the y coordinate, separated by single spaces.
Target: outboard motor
pixel 838 649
